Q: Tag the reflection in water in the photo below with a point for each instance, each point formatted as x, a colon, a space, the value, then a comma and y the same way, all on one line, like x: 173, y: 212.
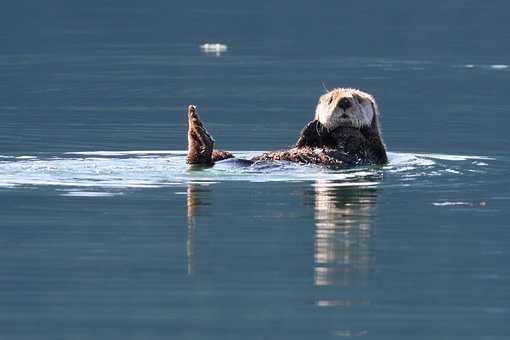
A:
x: 196, y: 196
x: 343, y: 235
x: 344, y: 216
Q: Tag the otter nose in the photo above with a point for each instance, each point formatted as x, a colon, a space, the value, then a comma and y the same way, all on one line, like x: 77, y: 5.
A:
x: 344, y: 103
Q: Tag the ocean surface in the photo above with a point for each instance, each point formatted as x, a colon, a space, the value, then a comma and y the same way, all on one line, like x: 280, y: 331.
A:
x: 106, y: 234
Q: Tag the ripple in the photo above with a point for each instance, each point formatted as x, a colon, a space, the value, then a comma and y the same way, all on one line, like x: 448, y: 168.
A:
x: 167, y: 168
x: 498, y: 67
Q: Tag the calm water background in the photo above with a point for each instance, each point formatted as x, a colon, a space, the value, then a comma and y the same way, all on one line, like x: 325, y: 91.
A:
x: 134, y: 246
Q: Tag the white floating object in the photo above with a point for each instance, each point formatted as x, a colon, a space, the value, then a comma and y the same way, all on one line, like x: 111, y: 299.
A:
x: 499, y: 67
x: 214, y: 48
x: 446, y: 204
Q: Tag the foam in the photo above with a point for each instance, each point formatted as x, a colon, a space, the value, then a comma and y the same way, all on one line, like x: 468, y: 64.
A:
x: 91, y: 194
x: 452, y: 157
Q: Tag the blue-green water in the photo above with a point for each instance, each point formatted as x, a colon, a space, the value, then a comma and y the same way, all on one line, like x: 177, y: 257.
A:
x: 106, y: 234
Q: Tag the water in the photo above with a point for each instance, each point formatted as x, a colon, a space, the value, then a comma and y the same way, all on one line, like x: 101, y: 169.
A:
x: 106, y: 234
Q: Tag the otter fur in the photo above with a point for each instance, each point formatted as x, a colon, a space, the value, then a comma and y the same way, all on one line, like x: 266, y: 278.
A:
x: 344, y: 133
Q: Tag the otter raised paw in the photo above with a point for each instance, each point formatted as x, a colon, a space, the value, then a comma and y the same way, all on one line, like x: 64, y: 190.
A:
x: 201, y: 143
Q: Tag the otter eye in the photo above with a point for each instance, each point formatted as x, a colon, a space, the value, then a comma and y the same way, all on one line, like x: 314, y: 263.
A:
x: 330, y: 100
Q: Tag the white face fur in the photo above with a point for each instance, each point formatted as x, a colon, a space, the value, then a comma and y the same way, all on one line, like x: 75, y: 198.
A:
x: 346, y: 107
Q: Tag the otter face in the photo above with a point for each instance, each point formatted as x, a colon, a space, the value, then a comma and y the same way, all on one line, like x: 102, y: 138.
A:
x: 346, y: 107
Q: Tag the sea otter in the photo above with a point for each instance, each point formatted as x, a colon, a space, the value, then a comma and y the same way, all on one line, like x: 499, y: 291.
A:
x: 344, y: 133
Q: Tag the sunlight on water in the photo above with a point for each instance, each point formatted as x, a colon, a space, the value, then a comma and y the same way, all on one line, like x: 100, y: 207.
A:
x: 152, y: 169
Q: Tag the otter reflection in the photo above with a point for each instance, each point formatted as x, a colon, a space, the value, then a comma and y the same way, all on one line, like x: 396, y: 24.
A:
x: 197, y: 195
x: 343, y: 242
x: 343, y: 234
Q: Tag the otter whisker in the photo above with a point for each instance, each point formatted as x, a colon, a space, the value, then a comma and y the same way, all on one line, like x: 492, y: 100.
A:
x: 324, y: 87
x: 317, y: 129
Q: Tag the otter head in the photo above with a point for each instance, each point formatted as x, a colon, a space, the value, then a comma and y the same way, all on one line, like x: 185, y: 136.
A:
x: 346, y: 107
